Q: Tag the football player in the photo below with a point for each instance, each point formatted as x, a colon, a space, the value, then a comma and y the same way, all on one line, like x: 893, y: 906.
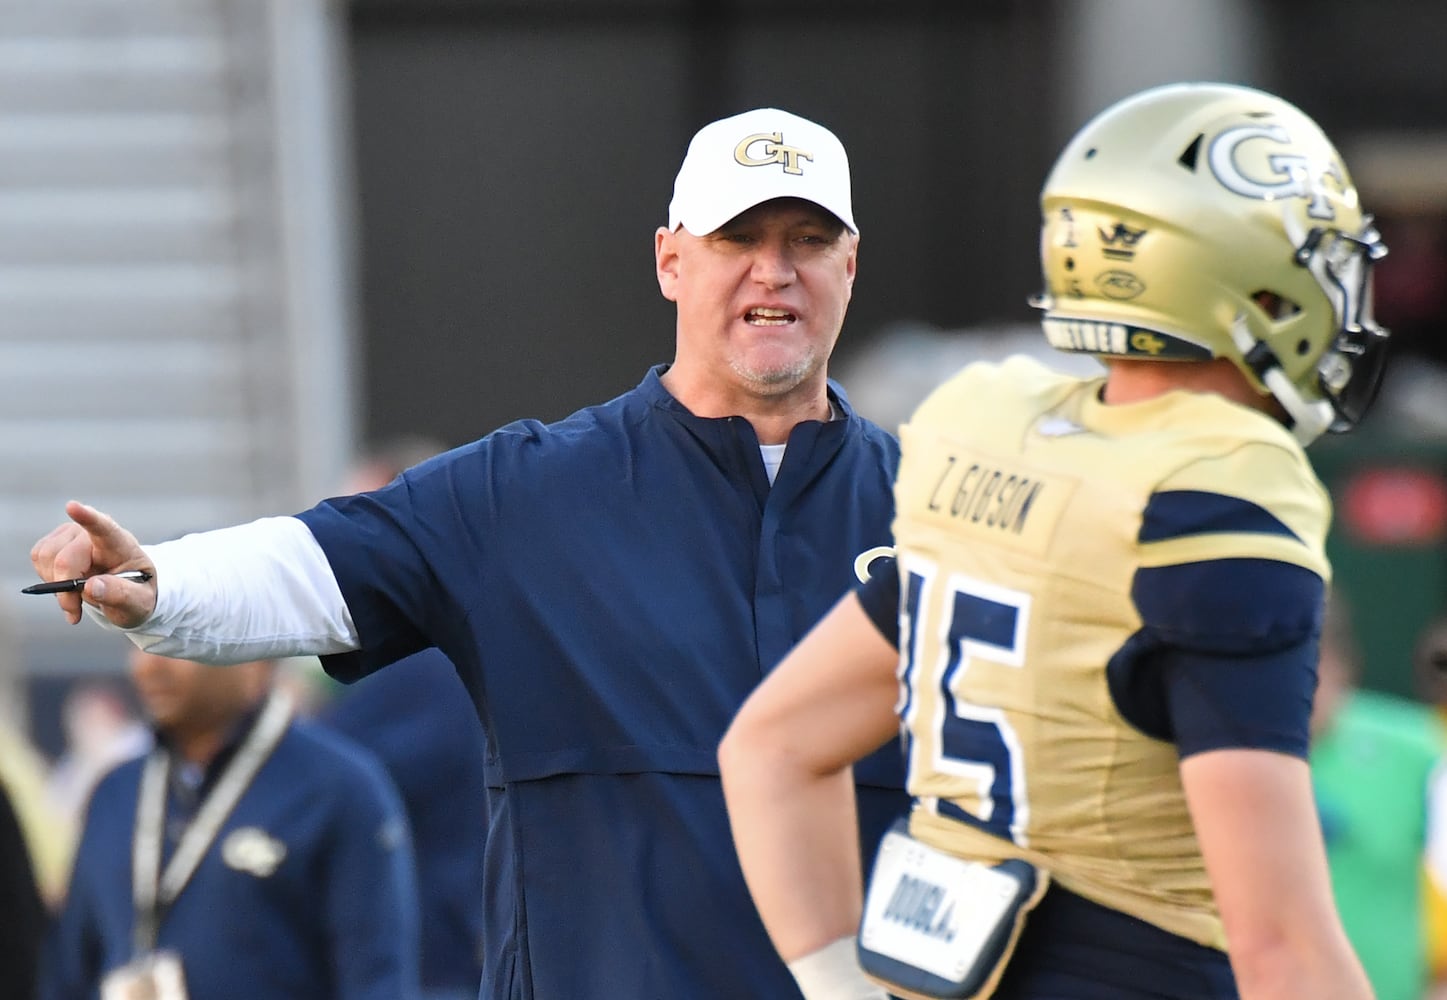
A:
x: 1101, y: 634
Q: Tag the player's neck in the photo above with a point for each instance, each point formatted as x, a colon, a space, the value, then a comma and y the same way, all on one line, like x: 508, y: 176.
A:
x: 1131, y: 381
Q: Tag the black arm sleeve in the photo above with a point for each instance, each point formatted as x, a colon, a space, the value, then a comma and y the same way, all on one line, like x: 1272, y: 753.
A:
x: 1252, y: 702
x: 1226, y: 656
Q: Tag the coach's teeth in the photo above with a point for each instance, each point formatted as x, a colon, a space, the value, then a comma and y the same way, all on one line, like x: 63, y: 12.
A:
x: 769, y: 317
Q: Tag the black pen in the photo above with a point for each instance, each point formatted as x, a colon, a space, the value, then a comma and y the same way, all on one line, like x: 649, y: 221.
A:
x: 70, y: 586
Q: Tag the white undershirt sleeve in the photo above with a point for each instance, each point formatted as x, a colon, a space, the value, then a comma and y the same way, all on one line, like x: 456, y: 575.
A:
x: 255, y: 591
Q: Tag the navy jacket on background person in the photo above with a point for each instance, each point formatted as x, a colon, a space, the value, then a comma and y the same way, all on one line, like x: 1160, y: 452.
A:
x: 335, y: 920
x: 417, y: 719
x: 611, y: 587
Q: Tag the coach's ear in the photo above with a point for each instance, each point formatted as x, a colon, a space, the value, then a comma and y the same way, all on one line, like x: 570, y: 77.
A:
x: 665, y: 262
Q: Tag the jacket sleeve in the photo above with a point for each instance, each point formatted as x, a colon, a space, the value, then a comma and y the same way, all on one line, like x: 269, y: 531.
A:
x: 371, y: 892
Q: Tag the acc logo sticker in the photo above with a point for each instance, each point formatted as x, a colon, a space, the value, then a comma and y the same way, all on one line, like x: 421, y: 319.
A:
x: 1119, y: 285
x: 251, y: 850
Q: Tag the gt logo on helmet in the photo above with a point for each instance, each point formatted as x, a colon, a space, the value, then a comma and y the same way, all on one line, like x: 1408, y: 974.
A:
x: 1292, y: 175
x: 1146, y: 342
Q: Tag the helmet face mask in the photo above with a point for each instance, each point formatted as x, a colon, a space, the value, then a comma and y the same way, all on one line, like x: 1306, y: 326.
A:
x: 1350, y: 371
x: 1199, y: 221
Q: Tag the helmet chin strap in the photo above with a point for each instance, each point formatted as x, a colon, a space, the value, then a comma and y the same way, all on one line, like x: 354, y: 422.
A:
x: 1309, y: 420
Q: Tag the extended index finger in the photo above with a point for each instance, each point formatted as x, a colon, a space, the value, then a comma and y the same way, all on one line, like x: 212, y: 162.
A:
x: 96, y: 523
x: 112, y: 547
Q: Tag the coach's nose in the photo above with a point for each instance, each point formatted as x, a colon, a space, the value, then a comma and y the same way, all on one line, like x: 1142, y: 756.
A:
x: 774, y: 264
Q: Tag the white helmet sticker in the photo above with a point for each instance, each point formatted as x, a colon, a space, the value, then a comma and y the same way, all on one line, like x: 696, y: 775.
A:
x: 1292, y: 174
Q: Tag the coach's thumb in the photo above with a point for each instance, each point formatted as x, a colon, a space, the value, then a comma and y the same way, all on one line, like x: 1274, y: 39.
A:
x: 123, y: 603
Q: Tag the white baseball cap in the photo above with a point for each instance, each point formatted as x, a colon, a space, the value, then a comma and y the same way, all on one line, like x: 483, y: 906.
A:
x: 736, y: 163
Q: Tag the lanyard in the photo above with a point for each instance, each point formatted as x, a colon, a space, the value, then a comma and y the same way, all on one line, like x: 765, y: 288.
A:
x: 154, y: 890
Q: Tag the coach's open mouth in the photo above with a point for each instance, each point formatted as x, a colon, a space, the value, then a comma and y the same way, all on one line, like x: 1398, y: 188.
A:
x: 769, y: 317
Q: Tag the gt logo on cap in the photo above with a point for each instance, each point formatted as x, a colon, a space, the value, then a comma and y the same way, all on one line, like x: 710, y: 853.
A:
x: 774, y: 152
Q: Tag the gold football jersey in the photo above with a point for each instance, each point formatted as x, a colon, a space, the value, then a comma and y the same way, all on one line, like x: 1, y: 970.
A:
x: 1020, y: 500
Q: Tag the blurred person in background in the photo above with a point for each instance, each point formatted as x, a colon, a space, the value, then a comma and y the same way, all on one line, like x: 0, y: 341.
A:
x: 247, y: 855
x: 25, y: 773
x: 101, y: 730
x: 22, y: 913
x: 610, y: 586
x: 1429, y: 669
x: 1429, y: 665
x: 49, y: 833
x: 417, y: 719
x: 1376, y: 767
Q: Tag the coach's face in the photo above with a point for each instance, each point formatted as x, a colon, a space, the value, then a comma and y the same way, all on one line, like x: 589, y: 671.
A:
x: 762, y: 298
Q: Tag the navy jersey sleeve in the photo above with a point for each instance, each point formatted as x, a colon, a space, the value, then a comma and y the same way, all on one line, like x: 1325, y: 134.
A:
x: 1226, y: 656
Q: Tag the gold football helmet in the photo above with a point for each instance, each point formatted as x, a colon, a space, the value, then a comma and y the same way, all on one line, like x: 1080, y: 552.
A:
x: 1197, y: 221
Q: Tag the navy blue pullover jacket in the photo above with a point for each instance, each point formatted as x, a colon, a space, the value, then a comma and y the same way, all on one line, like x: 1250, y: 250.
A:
x: 611, y: 587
